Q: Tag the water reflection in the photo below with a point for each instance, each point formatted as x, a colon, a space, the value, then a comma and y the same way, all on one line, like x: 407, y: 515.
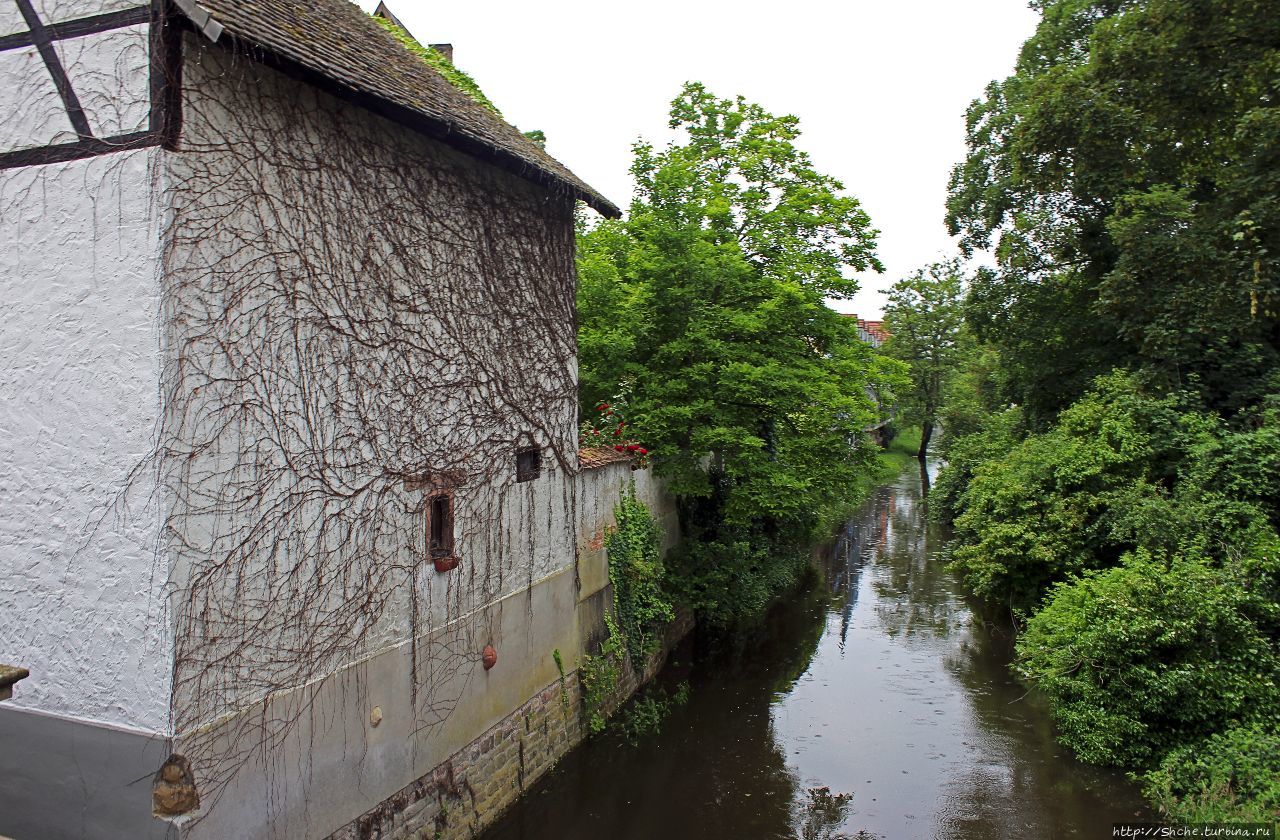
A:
x: 873, y: 705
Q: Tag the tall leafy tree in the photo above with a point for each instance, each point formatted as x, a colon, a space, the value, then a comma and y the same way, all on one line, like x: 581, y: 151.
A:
x: 925, y: 319
x: 1128, y: 177
x: 707, y: 307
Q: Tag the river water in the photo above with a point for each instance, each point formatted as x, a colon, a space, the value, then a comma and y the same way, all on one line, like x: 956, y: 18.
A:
x: 876, y: 704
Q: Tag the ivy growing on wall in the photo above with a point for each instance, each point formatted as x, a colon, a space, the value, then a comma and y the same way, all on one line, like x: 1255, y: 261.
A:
x: 636, y: 572
x: 640, y: 606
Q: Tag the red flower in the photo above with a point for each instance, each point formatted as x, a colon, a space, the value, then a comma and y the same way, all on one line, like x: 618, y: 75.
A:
x: 633, y: 447
x: 619, y: 447
x: 642, y: 450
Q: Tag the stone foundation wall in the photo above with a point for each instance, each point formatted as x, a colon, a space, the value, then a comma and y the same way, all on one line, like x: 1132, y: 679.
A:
x: 475, y: 785
x: 469, y: 791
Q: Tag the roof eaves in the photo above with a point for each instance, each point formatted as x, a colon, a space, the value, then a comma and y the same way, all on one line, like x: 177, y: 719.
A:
x: 436, y: 126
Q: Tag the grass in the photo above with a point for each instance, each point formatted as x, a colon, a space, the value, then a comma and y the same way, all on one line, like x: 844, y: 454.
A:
x: 890, y: 462
x: 901, y: 452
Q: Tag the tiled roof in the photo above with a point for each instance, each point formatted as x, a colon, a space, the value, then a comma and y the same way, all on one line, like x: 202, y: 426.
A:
x: 876, y: 328
x: 873, y: 331
x: 335, y: 39
x: 594, y: 458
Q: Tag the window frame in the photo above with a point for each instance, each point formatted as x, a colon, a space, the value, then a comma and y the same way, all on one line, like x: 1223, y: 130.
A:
x: 438, y: 507
x: 522, y: 474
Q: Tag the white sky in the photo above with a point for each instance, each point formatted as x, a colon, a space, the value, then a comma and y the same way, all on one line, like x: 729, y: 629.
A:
x: 880, y: 87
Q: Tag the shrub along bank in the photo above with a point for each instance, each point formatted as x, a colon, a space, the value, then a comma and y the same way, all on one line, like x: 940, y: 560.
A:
x: 1137, y: 539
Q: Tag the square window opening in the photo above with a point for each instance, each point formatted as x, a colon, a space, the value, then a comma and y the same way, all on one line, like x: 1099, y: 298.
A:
x: 528, y: 464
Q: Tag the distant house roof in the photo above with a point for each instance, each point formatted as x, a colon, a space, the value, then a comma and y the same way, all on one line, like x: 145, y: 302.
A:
x: 876, y: 328
x: 873, y: 331
x: 335, y: 45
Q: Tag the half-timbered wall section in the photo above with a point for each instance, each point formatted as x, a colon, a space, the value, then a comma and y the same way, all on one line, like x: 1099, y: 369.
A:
x: 81, y: 592
x: 81, y: 575
x: 86, y: 83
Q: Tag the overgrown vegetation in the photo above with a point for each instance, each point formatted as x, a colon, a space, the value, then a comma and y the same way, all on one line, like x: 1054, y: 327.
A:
x: 640, y: 608
x: 644, y: 716
x: 600, y: 675
x: 633, y: 546
x: 1116, y: 481
x: 706, y: 307
x: 444, y: 67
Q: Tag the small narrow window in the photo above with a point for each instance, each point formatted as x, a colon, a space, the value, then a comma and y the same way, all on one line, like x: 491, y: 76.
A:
x: 528, y: 464
x: 440, y: 531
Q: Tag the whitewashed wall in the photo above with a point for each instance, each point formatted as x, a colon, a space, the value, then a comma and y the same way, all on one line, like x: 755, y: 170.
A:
x: 81, y: 592
x: 361, y: 287
x: 82, y: 588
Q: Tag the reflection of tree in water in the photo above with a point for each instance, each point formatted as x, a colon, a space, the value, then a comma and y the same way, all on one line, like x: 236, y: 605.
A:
x: 821, y: 813
x: 842, y: 571
x: 1027, y: 784
x: 917, y: 594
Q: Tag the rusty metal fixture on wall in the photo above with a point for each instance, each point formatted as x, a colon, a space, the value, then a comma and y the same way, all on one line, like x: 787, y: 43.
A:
x: 9, y: 675
x: 445, y: 564
x: 489, y: 657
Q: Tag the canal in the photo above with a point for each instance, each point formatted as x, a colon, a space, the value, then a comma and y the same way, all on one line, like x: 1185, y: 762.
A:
x: 875, y: 704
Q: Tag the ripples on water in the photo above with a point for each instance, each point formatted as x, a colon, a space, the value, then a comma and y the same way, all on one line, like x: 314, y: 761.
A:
x: 874, y: 704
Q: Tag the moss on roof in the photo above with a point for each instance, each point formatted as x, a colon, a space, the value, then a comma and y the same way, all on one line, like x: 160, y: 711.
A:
x: 439, y: 63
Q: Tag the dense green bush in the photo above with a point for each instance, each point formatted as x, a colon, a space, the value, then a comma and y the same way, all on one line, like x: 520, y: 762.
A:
x: 1156, y: 654
x: 1047, y: 507
x: 998, y: 433
x: 730, y: 582
x: 1138, y: 533
x: 1232, y: 775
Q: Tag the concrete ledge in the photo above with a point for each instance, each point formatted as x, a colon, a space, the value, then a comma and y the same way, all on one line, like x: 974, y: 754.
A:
x: 78, y: 780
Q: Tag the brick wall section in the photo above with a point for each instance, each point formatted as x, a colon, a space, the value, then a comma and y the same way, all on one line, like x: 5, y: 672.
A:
x: 469, y: 791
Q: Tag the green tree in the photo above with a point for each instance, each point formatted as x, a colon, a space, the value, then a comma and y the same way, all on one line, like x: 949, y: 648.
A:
x: 706, y: 306
x: 1128, y: 177
x: 925, y: 319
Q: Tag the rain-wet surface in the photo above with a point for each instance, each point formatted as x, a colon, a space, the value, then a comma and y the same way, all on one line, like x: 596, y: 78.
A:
x: 874, y: 704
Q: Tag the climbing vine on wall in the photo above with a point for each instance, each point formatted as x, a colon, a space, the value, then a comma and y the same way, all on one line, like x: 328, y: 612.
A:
x: 636, y: 572
x: 355, y: 318
x: 640, y: 607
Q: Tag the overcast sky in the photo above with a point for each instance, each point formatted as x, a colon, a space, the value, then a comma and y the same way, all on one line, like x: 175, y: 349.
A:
x: 880, y: 87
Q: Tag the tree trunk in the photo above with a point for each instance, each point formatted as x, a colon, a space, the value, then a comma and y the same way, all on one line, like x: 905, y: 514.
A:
x: 926, y: 432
